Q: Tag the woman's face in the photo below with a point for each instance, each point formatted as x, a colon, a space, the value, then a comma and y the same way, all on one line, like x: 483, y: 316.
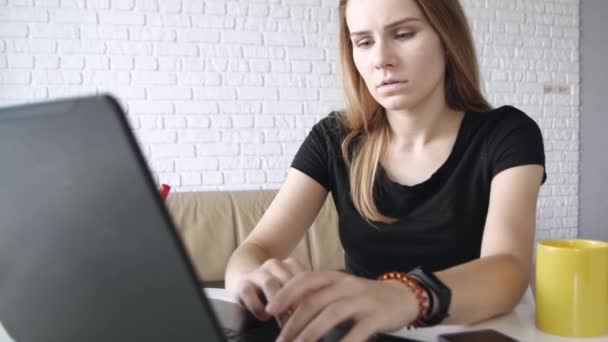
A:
x: 397, y: 52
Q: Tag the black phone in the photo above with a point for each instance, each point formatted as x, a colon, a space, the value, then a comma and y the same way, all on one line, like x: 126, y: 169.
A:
x: 486, y: 335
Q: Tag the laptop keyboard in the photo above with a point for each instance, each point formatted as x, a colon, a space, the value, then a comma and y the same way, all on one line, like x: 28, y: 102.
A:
x: 254, y: 335
x: 264, y: 335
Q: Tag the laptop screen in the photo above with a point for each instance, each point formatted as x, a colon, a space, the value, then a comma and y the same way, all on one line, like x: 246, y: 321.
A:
x: 87, y: 250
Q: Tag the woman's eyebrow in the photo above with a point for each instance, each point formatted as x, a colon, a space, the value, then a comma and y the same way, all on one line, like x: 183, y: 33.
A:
x: 393, y: 24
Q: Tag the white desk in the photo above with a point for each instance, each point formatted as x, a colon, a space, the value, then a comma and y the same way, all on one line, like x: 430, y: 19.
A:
x: 519, y: 324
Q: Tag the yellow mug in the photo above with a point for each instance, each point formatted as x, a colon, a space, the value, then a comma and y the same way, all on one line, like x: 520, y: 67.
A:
x: 572, y: 287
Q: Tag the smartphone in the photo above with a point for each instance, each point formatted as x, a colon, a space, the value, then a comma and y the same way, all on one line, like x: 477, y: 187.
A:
x: 486, y: 335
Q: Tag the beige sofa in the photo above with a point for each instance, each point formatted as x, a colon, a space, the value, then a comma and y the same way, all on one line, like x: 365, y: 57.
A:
x: 213, y: 224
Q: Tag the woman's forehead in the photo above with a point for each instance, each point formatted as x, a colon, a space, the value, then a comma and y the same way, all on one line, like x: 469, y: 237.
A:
x: 368, y: 14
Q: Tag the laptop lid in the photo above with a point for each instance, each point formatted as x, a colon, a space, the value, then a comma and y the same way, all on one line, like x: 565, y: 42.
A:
x: 87, y: 249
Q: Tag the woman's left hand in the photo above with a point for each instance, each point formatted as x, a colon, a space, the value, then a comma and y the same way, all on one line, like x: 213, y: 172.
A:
x: 322, y: 300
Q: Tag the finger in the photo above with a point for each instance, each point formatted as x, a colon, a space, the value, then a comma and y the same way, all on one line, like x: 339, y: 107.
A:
x: 311, y: 307
x: 250, y: 297
x: 282, y: 318
x: 269, y: 284
x: 330, y: 316
x: 280, y: 270
x: 294, y: 266
x: 361, y: 331
x: 296, y: 289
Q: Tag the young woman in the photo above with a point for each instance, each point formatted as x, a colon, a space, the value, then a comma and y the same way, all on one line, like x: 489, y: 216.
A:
x: 423, y: 173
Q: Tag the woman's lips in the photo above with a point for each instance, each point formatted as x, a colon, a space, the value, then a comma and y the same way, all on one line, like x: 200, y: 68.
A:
x: 392, y: 86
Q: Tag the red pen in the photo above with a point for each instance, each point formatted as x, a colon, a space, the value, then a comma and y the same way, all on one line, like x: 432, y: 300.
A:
x: 164, y: 191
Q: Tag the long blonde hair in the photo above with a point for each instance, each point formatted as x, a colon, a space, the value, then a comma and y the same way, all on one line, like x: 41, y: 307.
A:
x: 365, y: 119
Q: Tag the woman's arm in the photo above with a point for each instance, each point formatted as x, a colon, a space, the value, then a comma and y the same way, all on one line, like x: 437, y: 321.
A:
x: 495, y: 283
x: 280, y: 229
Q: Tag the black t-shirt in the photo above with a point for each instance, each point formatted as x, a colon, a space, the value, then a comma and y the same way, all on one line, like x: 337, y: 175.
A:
x: 441, y: 220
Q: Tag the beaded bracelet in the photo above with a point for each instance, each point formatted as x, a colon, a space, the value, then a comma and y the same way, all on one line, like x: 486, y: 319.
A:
x: 429, y: 296
x: 418, y: 291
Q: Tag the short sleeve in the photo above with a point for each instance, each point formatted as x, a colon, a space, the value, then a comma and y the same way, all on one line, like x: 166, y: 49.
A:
x: 517, y: 140
x: 312, y: 157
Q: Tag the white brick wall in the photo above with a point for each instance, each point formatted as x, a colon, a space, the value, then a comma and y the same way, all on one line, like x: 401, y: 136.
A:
x: 222, y: 92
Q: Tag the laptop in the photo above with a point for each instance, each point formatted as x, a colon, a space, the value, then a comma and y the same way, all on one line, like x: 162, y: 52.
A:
x: 88, y: 251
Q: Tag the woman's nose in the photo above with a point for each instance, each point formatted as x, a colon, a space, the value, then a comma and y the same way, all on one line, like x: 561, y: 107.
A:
x: 383, y: 56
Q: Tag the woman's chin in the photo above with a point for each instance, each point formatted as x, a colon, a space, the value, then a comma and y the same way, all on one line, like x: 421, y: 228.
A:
x: 395, y: 103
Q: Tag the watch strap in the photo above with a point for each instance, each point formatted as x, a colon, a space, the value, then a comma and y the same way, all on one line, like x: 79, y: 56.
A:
x: 439, y: 289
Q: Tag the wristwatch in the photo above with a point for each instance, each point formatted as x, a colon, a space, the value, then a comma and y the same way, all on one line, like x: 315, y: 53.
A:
x: 444, y: 294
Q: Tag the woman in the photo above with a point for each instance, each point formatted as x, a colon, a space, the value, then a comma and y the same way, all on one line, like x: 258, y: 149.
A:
x: 423, y: 173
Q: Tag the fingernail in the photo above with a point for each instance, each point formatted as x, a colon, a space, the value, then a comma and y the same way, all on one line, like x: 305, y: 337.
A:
x: 280, y: 339
x: 271, y: 307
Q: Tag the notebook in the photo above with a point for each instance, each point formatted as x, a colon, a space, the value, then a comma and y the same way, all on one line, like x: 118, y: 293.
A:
x: 88, y: 251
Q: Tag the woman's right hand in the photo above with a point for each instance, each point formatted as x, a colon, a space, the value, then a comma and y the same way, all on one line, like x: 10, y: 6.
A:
x: 259, y: 286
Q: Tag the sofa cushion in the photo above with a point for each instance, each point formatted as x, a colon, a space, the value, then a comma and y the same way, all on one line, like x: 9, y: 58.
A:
x: 212, y: 224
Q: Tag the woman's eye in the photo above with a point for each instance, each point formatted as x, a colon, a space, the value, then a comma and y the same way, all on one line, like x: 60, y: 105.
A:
x: 364, y: 43
x: 405, y: 35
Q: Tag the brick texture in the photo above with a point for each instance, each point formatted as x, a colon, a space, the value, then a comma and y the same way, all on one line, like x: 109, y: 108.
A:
x: 222, y: 92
